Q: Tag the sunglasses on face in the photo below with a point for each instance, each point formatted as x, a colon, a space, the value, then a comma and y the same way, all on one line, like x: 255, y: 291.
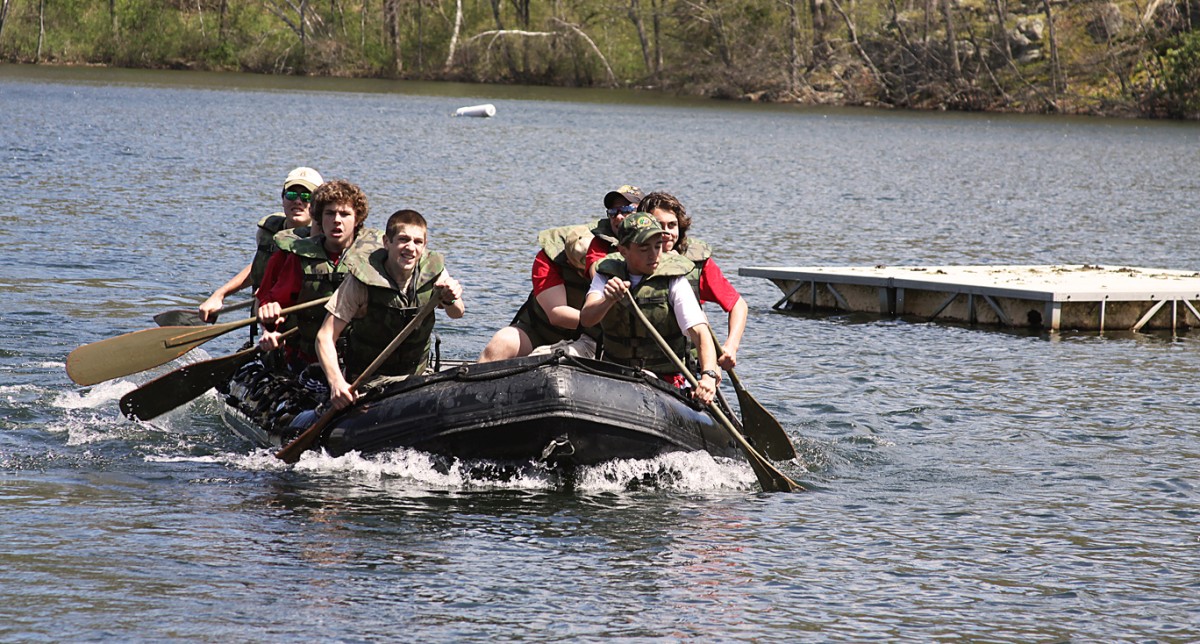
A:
x: 292, y: 195
x: 621, y: 210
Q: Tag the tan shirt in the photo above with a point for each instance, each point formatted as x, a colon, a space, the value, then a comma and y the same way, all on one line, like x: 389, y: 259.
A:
x: 349, y: 301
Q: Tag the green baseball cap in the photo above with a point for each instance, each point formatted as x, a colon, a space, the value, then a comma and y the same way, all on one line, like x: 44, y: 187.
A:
x: 639, y: 228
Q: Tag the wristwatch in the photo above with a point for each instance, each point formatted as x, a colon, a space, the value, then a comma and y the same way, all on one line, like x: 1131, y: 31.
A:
x: 709, y: 372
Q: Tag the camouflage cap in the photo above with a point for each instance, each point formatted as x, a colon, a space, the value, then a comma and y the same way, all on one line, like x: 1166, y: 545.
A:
x: 639, y: 228
x: 632, y: 194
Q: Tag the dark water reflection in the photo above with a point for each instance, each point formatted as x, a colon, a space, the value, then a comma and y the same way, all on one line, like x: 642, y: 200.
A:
x: 969, y: 484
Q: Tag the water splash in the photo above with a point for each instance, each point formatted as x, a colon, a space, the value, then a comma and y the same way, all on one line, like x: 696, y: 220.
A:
x: 98, y: 396
x: 681, y: 471
x: 414, y: 469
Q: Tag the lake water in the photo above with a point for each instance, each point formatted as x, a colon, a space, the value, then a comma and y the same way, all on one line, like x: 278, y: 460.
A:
x: 968, y: 484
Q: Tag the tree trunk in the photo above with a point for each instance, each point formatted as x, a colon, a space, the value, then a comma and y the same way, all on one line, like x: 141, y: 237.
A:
x: 635, y: 16
x: 793, y: 47
x: 1001, y: 33
x: 656, y: 10
x: 1057, y: 84
x: 522, y: 9
x: 391, y: 18
x: 3, y: 14
x: 458, y: 20
x: 496, y: 14
x: 951, y: 40
x: 303, y: 29
x: 37, y: 57
x: 820, y: 28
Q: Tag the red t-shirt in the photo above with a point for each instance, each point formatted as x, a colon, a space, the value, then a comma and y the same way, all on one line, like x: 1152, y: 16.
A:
x: 715, y: 288
x: 546, y: 274
x: 596, y: 252
x: 281, y: 280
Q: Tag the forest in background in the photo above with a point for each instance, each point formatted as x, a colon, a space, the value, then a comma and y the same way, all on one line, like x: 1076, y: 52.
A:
x: 1110, y: 57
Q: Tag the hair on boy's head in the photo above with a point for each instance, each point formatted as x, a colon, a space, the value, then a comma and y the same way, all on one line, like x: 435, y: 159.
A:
x: 665, y: 201
x: 339, y: 191
x: 404, y: 218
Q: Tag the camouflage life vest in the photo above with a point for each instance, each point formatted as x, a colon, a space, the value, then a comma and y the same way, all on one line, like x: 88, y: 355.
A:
x: 389, y: 310
x: 554, y: 244
x: 321, y: 276
x: 264, y: 238
x: 626, y: 341
x: 603, y: 229
x: 698, y: 252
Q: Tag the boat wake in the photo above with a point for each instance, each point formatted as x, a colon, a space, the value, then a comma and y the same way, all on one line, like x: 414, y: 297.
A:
x: 78, y: 424
x: 410, y: 469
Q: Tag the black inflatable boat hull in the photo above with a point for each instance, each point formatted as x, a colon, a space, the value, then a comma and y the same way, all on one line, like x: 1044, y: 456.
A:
x: 556, y: 409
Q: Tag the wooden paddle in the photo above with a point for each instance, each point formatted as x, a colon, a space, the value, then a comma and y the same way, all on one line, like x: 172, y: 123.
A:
x: 771, y: 479
x: 185, y: 384
x: 759, y: 424
x: 291, y: 452
x: 148, y: 348
x: 191, y: 317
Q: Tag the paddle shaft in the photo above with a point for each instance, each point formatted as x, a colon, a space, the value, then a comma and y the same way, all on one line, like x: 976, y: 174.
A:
x: 221, y: 329
x: 771, y: 479
x: 757, y: 422
x: 191, y: 317
x: 291, y: 452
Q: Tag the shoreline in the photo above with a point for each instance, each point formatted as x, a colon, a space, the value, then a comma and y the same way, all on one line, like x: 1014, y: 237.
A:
x: 444, y: 85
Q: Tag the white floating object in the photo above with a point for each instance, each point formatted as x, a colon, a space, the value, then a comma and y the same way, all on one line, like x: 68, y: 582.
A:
x: 485, y: 110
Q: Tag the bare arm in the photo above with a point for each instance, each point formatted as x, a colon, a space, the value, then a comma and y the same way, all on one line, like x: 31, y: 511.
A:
x: 214, y: 302
x: 554, y: 302
x: 451, y: 293
x: 737, y: 327
x: 597, y: 305
x: 340, y: 393
x: 703, y: 339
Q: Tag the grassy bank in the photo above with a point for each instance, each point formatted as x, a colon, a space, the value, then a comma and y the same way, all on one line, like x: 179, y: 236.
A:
x: 1113, y: 58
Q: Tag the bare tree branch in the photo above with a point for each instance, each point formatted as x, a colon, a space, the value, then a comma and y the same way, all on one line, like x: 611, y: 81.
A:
x: 612, y: 78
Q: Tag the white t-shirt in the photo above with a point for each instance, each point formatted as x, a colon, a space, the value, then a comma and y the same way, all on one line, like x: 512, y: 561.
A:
x: 683, y: 301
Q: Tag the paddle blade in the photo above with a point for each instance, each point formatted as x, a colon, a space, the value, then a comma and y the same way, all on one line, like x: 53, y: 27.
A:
x: 760, y: 426
x: 183, y: 385
x: 131, y: 353
x: 179, y: 317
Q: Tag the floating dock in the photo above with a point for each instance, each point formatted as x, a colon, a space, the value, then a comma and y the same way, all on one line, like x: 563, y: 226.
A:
x: 1055, y: 297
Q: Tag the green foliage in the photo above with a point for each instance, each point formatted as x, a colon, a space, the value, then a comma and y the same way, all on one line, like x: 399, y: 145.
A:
x: 726, y: 48
x: 1181, y: 75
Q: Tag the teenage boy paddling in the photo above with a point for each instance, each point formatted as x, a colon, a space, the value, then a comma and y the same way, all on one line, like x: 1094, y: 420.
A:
x: 382, y: 294
x: 306, y: 269
x: 657, y: 282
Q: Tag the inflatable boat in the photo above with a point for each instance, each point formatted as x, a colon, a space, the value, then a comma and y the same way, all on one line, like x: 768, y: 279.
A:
x: 556, y: 409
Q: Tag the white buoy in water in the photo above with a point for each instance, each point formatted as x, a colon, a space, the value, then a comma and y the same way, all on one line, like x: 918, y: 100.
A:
x: 485, y: 110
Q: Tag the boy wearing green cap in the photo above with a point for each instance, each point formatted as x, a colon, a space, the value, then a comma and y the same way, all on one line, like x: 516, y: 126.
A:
x: 658, y: 283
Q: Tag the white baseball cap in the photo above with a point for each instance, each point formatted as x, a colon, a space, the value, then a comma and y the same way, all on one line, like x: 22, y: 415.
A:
x: 306, y: 177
